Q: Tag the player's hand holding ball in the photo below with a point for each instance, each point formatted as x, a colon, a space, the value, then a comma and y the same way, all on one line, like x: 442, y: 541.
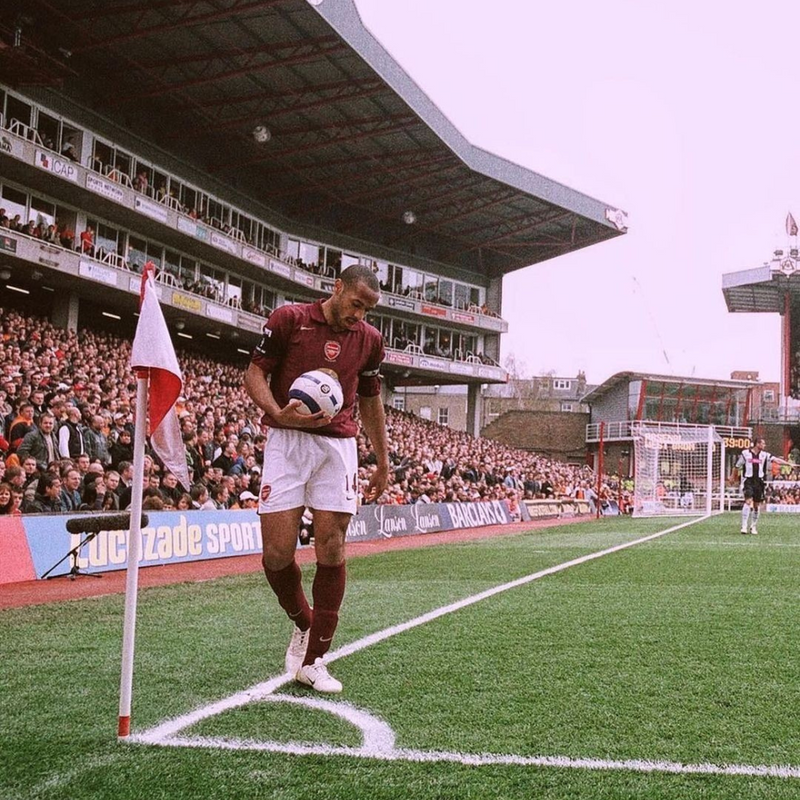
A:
x: 315, y: 398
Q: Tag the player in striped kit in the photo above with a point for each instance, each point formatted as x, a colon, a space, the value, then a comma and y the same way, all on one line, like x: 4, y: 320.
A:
x: 754, y: 466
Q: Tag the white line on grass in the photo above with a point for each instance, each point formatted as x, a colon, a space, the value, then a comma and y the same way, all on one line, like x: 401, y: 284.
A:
x: 377, y: 736
x: 491, y: 759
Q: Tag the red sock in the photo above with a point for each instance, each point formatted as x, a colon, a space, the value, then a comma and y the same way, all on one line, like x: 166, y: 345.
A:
x: 328, y: 592
x: 287, y: 583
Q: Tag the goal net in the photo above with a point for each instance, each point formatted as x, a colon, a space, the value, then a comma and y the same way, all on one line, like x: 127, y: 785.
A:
x: 678, y: 470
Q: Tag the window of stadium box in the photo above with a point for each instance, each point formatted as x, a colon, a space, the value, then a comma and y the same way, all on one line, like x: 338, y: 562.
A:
x: 233, y: 291
x: 123, y: 163
x: 215, y: 279
x: 216, y: 212
x: 172, y: 264
x: 700, y: 404
x: 15, y: 203
x: 102, y: 155
x: 17, y: 110
x: 106, y: 156
x: 138, y: 253
x: 106, y: 238
x: 49, y: 129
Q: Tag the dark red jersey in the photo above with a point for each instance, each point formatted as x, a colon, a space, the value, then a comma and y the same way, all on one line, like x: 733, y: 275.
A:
x: 297, y: 339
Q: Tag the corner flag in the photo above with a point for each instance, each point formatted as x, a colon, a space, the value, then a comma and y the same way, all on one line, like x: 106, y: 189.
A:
x: 159, y: 383
x: 153, y: 351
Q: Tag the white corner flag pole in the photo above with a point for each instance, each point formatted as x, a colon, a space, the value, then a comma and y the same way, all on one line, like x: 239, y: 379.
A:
x: 134, y: 553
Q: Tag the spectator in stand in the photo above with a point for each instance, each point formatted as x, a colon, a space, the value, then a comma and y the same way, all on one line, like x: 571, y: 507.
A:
x: 37, y: 401
x: 48, y: 496
x: 91, y: 369
x: 140, y: 182
x: 31, y: 470
x: 200, y: 498
x: 121, y: 450
x: 41, y: 442
x: 71, y: 442
x: 83, y: 462
x: 170, y: 489
x: 6, y: 500
x: 226, y: 459
x: 96, y: 441
x: 112, y: 479
x: 120, y: 425
x: 219, y: 496
x: 70, y: 484
x: 248, y: 500
x: 66, y: 237
x: 68, y: 151
x: 22, y: 425
x: 87, y: 241
x: 152, y: 502
x: 51, y: 235
x: 125, y: 470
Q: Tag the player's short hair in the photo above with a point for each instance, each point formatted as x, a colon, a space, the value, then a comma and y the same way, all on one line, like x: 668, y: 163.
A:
x: 358, y: 273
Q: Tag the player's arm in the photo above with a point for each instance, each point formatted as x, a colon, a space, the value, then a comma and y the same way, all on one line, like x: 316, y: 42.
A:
x: 268, y: 353
x: 783, y: 463
x: 737, y: 469
x: 257, y: 386
x: 373, y: 420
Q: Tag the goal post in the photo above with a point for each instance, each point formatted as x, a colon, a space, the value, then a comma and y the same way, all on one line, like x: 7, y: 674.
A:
x: 678, y: 470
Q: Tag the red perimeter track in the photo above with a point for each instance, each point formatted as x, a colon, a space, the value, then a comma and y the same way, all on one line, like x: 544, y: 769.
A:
x: 56, y: 590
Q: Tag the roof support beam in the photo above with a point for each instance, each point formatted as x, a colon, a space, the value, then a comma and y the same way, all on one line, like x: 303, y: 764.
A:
x: 301, y: 57
x: 289, y: 95
x: 273, y: 49
x: 271, y: 114
x: 363, y: 129
x: 186, y: 21
x: 387, y: 187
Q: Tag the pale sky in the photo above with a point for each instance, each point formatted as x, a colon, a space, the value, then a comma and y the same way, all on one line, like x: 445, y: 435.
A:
x: 682, y: 113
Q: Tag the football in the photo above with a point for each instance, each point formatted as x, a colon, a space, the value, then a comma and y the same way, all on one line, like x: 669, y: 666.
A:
x: 317, y: 391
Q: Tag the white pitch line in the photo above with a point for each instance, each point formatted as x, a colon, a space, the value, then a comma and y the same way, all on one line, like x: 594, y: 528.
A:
x: 378, y: 737
x: 158, y: 734
x: 491, y: 759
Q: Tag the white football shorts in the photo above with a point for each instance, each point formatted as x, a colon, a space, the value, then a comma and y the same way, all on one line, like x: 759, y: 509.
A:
x: 305, y: 469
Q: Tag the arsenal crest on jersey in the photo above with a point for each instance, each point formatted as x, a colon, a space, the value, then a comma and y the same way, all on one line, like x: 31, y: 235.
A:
x: 332, y: 350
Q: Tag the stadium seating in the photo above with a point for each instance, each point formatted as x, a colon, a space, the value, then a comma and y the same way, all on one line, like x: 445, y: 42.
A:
x: 90, y: 369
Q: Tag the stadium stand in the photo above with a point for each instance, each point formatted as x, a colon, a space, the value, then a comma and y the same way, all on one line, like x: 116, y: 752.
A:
x: 48, y: 369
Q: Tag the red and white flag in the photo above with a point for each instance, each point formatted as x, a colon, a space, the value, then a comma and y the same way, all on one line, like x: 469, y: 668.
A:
x: 153, y: 351
x: 791, y: 225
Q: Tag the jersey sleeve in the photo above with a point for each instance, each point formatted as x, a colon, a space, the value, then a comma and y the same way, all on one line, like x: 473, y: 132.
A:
x: 740, y: 462
x: 274, y: 340
x: 369, y: 377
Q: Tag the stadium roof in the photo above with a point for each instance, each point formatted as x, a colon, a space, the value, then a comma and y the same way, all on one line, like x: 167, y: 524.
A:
x: 765, y: 288
x: 626, y: 377
x: 354, y: 142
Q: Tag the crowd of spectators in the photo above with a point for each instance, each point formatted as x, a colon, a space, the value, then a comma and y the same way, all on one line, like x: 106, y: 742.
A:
x: 433, y: 463
x: 784, y: 493
x: 66, y: 425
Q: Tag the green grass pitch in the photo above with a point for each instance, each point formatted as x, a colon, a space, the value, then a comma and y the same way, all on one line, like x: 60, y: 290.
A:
x: 683, y: 649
